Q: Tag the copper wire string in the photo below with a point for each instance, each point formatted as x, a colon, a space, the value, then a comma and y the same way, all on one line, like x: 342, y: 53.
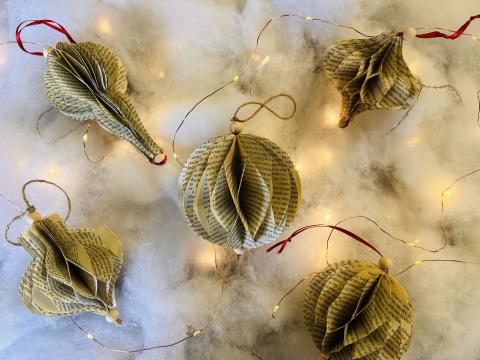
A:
x: 437, y: 87
x: 418, y: 262
x: 276, y: 308
x: 245, y: 70
x: 176, y: 342
x: 84, y: 141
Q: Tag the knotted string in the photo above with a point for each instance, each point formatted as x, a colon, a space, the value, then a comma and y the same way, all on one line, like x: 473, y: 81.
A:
x: 264, y: 105
x: 50, y: 23
x: 261, y: 105
x: 31, y: 208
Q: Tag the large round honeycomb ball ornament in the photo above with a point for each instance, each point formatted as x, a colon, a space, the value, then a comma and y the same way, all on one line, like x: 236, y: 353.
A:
x: 239, y: 190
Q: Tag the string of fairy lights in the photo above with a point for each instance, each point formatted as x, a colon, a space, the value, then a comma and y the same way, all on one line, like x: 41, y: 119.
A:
x: 254, y: 63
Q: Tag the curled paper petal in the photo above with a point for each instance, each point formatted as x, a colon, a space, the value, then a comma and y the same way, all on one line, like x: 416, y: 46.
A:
x: 240, y: 191
x: 371, y: 74
x: 355, y: 310
x: 87, y: 81
x: 72, y: 270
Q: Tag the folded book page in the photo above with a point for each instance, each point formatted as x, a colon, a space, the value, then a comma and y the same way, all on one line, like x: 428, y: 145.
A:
x: 354, y: 310
x: 371, y: 74
x: 87, y: 81
x: 239, y: 191
x: 72, y: 270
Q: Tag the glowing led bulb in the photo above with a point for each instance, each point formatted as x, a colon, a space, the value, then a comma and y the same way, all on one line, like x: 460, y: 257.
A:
x: 327, y: 216
x: 446, y: 193
x: 196, y: 333
x: 236, y: 77
x: 90, y: 336
x: 275, y: 308
x: 254, y: 57
x: 418, y: 262
x: 161, y: 75
x: 414, y: 140
x: 298, y: 167
x: 104, y: 25
x: 175, y: 155
x: 308, y: 18
x: 264, y: 62
x: 85, y: 137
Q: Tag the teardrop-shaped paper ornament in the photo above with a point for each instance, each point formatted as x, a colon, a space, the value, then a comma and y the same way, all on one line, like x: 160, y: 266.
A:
x: 239, y: 190
x: 355, y: 310
x: 87, y: 81
x: 371, y: 74
x: 72, y: 270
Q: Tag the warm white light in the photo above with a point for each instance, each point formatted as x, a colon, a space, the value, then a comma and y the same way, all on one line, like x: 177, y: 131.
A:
x: 414, y: 140
x: 309, y: 18
x: 254, y: 57
x: 418, y: 262
x: 104, y: 26
x: 264, y: 62
x: 85, y: 137
x: 331, y: 119
x: 161, y: 75
x: 298, y: 167
x: 236, y: 77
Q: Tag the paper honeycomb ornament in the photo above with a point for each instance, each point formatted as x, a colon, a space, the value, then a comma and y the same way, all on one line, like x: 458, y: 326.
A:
x: 87, y: 81
x: 239, y: 190
x: 72, y: 271
x: 355, y: 310
x: 371, y: 74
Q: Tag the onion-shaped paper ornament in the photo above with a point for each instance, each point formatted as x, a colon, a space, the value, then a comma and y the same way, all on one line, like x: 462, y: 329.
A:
x: 87, y: 81
x: 239, y: 190
x: 355, y: 310
x: 72, y: 270
x: 371, y: 74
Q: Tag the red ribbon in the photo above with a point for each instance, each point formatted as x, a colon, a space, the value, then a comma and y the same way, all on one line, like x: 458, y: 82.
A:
x: 161, y: 162
x: 452, y: 36
x: 285, y: 242
x: 50, y: 23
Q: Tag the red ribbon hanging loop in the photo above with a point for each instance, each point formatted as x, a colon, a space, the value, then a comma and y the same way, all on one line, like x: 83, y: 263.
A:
x: 50, y: 23
x: 284, y: 243
x: 452, y: 36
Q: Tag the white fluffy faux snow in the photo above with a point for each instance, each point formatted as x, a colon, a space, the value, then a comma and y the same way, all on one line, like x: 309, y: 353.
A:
x: 176, y: 52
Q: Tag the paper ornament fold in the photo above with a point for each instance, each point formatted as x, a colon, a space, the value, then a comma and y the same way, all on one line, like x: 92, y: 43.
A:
x: 72, y: 270
x: 371, y: 74
x: 240, y: 191
x: 87, y: 81
x: 355, y: 310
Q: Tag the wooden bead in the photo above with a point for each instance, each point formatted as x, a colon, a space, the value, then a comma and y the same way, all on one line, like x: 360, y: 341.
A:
x: 47, y: 50
x: 33, y: 217
x: 236, y: 127
x: 239, y: 251
x: 409, y: 33
x: 112, y: 315
x: 385, y: 263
